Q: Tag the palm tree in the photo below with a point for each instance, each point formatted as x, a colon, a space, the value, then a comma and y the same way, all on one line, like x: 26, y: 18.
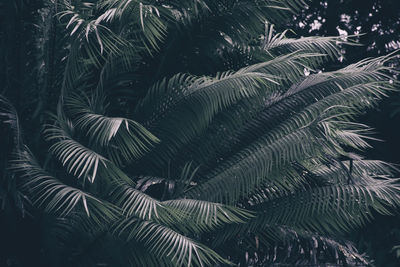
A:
x: 193, y: 133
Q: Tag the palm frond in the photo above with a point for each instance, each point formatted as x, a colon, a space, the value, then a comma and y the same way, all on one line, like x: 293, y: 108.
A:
x: 356, y: 90
x: 328, y: 209
x: 298, y: 129
x: 135, y: 202
x: 166, y: 243
x: 221, y: 133
x: 56, y: 197
x: 182, y: 214
x: 91, y: 42
x: 78, y: 159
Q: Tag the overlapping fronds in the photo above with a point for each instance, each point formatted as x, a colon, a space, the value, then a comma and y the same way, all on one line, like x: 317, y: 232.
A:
x: 253, y: 165
x: 353, y: 88
x: 130, y: 139
x: 327, y: 209
x: 183, y: 89
x: 104, y: 30
x: 335, y: 205
x: 249, y: 111
x: 185, y: 214
x: 205, y: 95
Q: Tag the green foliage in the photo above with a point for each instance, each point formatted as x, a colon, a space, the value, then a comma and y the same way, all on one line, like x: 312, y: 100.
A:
x: 149, y: 159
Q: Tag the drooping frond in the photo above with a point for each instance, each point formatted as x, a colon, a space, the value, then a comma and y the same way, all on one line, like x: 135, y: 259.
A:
x: 185, y: 214
x: 78, y: 159
x: 349, y: 88
x: 297, y: 134
x: 328, y: 209
x: 81, y: 161
x: 227, y: 125
x: 56, y: 197
x: 166, y: 243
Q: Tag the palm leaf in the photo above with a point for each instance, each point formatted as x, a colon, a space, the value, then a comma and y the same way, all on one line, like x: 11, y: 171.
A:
x: 56, y: 197
x: 78, y: 159
x: 166, y: 243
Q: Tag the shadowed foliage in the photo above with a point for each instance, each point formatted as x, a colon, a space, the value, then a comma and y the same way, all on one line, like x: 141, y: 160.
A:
x: 191, y: 133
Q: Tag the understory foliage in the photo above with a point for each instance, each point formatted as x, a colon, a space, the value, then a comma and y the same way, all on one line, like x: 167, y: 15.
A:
x: 192, y: 133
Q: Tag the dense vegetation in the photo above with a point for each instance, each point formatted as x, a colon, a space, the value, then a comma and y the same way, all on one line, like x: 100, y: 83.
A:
x: 177, y: 133
x: 376, y: 23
